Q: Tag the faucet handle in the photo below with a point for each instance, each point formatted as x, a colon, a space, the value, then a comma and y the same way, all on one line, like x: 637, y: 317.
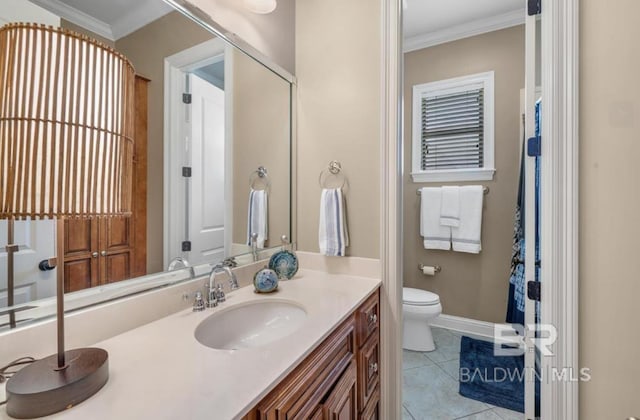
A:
x: 198, y: 303
x: 220, y: 296
x: 212, y: 302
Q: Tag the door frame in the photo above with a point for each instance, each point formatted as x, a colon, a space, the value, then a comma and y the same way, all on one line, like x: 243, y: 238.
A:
x: 173, y: 185
x: 559, y: 212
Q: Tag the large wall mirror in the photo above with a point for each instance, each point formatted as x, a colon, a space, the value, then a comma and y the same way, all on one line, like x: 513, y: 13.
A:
x: 213, y: 143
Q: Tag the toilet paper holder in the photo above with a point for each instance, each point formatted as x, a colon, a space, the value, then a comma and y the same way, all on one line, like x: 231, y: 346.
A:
x: 436, y: 268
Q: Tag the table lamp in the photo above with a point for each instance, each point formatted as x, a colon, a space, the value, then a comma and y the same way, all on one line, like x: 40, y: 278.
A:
x: 66, y: 151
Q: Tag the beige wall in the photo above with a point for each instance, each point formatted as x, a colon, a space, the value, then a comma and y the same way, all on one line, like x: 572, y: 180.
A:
x: 147, y: 49
x: 271, y: 34
x: 609, y: 208
x: 338, y: 71
x: 261, y: 132
x: 470, y: 285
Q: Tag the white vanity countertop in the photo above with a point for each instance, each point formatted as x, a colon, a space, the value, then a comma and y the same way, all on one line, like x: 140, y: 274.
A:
x: 159, y: 371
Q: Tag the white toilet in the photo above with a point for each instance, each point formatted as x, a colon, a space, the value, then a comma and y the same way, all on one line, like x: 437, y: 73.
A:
x: 419, y: 308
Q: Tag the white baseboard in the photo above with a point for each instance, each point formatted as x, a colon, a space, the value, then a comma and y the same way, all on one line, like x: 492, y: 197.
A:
x: 465, y: 325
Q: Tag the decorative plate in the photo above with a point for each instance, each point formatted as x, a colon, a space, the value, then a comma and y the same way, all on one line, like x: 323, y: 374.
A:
x: 265, y: 281
x: 284, y: 263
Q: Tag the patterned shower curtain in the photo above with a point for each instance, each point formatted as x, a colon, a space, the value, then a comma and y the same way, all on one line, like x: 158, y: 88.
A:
x: 517, y: 286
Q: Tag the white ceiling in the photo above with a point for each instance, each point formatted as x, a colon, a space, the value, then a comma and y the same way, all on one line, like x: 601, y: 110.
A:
x: 426, y: 22
x: 111, y: 19
x: 426, y: 19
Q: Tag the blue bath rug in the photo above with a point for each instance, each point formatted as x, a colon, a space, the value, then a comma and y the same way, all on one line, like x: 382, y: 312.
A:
x: 495, y: 380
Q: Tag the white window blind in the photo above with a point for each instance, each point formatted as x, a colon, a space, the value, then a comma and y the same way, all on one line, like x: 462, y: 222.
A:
x: 453, y: 130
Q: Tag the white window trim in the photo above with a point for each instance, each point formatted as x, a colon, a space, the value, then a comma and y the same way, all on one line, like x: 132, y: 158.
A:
x: 446, y: 87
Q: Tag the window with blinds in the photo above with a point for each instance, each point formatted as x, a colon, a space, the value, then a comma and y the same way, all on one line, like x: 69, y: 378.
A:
x: 453, y: 129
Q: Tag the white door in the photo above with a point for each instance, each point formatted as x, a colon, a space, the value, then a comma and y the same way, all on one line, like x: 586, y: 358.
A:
x: 36, y: 240
x: 207, y: 195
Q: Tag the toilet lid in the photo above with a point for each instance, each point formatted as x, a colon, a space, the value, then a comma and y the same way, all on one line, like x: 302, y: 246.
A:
x: 419, y: 297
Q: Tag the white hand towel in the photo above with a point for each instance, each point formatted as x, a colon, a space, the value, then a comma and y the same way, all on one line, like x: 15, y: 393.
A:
x: 258, y: 217
x: 435, y: 235
x: 450, y: 209
x: 333, y: 234
x: 466, y: 237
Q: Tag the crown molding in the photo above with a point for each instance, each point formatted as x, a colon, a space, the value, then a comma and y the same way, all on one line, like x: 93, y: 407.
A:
x: 77, y: 17
x: 473, y: 28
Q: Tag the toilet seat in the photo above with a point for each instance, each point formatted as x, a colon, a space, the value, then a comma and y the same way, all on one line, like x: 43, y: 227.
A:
x: 418, y: 297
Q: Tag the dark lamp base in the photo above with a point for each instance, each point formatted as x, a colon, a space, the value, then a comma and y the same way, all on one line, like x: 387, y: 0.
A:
x: 41, y: 389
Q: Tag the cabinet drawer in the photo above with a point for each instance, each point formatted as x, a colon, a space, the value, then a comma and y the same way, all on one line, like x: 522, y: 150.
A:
x: 368, y: 317
x: 368, y: 371
x: 372, y: 410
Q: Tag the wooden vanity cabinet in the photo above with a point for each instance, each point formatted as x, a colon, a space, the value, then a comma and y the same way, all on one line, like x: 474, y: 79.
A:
x: 338, y: 381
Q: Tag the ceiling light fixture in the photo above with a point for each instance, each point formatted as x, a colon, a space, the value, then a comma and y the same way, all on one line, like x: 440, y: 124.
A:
x: 262, y: 7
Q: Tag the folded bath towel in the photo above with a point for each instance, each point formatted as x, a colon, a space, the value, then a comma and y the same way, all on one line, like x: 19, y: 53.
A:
x: 450, y: 208
x: 257, y: 220
x: 332, y: 232
x: 435, y: 235
x: 466, y: 237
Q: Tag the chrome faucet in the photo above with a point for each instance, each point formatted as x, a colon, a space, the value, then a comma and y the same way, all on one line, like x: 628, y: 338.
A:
x: 215, y: 293
x: 178, y: 263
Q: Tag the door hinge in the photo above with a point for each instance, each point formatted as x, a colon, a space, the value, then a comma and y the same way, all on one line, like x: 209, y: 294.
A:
x: 186, y: 246
x: 534, y: 7
x: 186, y: 98
x: 533, y: 290
x: 186, y: 171
x: 534, y: 147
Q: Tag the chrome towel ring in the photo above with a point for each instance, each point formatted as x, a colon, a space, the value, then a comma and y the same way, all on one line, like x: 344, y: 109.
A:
x: 260, y: 176
x: 332, y: 171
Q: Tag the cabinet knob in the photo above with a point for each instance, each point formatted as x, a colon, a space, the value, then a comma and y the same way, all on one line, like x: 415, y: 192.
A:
x: 103, y: 253
x: 373, y: 318
x: 373, y: 368
x: 95, y: 254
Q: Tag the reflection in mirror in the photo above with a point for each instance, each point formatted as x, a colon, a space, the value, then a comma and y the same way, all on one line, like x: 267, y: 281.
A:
x: 207, y: 118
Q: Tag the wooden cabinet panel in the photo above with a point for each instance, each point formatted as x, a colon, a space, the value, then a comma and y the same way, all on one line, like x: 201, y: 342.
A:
x: 81, y: 269
x: 368, y: 367
x: 117, y: 267
x: 341, y: 402
x: 317, y: 415
x: 117, y: 234
x: 80, y: 274
x: 298, y: 396
x: 80, y: 237
x: 372, y: 410
x: 367, y: 317
x: 139, y: 181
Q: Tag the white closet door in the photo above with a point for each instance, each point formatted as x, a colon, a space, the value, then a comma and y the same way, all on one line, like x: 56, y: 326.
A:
x: 36, y: 240
x: 206, y: 212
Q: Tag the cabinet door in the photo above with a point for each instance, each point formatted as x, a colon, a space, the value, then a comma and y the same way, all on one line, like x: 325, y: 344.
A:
x: 368, y: 367
x: 80, y: 254
x: 372, y: 410
x: 341, y: 402
x: 116, y: 249
x: 368, y: 318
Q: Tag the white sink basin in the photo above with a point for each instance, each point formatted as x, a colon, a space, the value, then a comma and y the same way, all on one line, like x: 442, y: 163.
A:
x: 254, y: 324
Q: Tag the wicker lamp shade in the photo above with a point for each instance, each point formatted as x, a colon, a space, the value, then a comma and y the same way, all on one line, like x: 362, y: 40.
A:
x: 66, y: 125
